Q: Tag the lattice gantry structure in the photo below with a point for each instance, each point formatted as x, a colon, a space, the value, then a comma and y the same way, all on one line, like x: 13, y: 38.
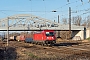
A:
x: 30, y: 22
x: 26, y: 22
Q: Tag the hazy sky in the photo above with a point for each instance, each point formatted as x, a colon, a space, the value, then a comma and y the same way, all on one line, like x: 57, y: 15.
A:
x: 44, y: 8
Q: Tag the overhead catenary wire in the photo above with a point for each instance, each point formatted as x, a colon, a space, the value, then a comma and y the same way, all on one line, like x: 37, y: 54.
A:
x: 38, y: 11
x: 66, y: 4
x: 82, y: 4
x: 84, y: 13
x: 77, y: 11
x: 51, y: 11
x: 30, y: 11
x: 80, y: 0
x: 4, y: 13
x: 71, y: 3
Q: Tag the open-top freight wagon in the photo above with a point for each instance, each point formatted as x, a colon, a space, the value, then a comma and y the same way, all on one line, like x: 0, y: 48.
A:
x: 18, y: 38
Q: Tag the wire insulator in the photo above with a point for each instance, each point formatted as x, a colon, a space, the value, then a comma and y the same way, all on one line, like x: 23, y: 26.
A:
x: 67, y: 0
x: 89, y: 0
x: 54, y: 11
x: 81, y: 0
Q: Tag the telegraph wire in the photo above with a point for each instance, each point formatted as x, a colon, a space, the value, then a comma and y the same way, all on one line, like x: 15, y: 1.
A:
x: 41, y: 11
x: 81, y: 0
x: 67, y: 4
x: 77, y: 11
x: 83, y: 9
x: 80, y: 10
x: 82, y: 4
x: 4, y: 13
x: 48, y: 11
x: 23, y: 11
x: 82, y: 14
x: 85, y: 13
x: 45, y: 7
x: 31, y: 6
x: 72, y: 3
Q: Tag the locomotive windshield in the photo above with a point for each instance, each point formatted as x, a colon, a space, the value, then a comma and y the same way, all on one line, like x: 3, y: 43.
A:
x: 49, y: 33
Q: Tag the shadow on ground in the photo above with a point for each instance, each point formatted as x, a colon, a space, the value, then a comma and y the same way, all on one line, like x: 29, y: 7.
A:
x: 78, y: 56
x: 66, y: 44
x: 8, y: 53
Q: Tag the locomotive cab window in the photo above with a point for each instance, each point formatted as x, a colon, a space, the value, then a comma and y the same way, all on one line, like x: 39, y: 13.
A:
x: 49, y: 33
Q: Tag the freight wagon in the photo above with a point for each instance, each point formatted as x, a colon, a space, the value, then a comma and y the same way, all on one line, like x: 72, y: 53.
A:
x: 17, y: 38
x: 20, y: 38
x: 13, y: 38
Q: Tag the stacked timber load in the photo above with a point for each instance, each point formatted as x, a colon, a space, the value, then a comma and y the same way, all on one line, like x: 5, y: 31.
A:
x: 22, y: 37
x: 13, y: 37
x: 18, y: 38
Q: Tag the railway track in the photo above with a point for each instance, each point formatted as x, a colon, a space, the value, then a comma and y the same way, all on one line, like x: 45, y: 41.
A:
x: 66, y: 52
x: 52, y: 47
x: 75, y: 47
x: 61, y: 48
x: 62, y: 51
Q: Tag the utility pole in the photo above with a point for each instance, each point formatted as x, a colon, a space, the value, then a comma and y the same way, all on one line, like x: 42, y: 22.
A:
x: 7, y: 30
x: 54, y: 20
x: 67, y: 0
x: 58, y: 31
x: 70, y: 22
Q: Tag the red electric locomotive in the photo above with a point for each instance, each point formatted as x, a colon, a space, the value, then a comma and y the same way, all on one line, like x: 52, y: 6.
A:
x: 45, y: 36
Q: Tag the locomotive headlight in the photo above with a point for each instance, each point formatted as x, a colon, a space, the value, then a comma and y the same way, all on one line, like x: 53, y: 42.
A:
x: 52, y: 37
x: 47, y: 37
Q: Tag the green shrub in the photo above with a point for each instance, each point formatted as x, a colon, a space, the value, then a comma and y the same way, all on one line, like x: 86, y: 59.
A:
x: 32, y: 55
x: 88, y: 38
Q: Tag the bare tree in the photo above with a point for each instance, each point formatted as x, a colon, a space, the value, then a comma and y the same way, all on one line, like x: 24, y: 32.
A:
x: 74, y: 20
x: 77, y: 20
x: 88, y: 21
x: 64, y: 20
x: 84, y: 23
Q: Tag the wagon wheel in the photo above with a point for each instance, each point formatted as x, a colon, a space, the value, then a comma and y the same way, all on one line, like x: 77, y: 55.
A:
x: 51, y: 45
x: 43, y: 43
x: 36, y: 43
